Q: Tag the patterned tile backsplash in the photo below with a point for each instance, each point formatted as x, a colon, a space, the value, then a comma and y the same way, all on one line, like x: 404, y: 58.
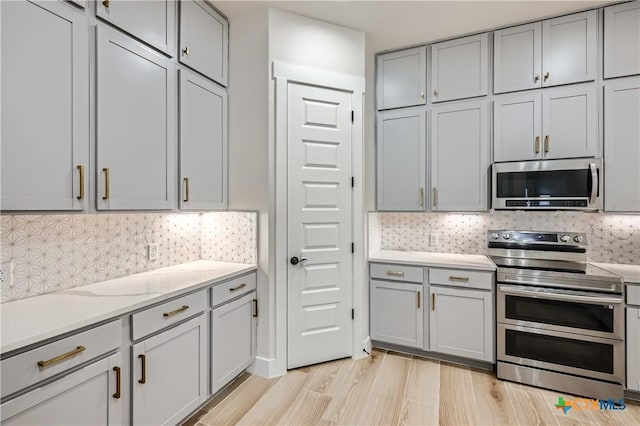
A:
x: 54, y: 252
x: 611, y: 238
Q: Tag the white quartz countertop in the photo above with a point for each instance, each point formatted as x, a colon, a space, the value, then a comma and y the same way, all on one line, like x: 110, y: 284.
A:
x: 630, y: 273
x: 442, y: 260
x: 28, y: 321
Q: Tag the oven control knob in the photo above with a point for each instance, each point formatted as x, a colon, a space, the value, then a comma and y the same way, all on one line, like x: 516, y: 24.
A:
x: 495, y: 236
x: 506, y: 236
x: 578, y: 238
x: 565, y: 238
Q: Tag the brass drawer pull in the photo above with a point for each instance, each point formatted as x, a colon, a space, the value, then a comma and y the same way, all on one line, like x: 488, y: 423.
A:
x: 231, y: 290
x: 547, y: 143
x: 421, y: 197
x: 106, y: 183
x: 459, y: 279
x: 537, y: 144
x: 433, y: 301
x: 175, y: 311
x: 62, y: 357
x: 118, y: 382
x: 143, y: 379
x: 81, y: 183
x: 418, y: 298
x: 395, y: 273
x: 435, y: 196
x: 536, y: 78
x: 255, y: 308
x: 106, y: 3
x: 546, y: 76
x: 186, y: 51
x: 186, y: 190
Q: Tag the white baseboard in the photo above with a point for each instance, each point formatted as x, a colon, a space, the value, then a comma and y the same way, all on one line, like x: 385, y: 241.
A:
x: 266, y: 367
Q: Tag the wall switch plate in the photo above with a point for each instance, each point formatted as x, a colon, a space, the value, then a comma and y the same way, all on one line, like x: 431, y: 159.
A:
x: 433, y: 239
x: 152, y: 251
x: 6, y: 273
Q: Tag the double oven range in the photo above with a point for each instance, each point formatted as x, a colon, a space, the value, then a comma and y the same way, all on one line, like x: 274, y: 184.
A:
x: 560, y: 320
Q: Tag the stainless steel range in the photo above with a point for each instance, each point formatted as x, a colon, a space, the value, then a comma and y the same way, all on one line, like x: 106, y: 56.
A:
x: 560, y: 320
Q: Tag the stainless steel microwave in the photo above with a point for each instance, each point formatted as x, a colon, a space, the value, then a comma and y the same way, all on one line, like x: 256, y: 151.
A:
x: 548, y: 185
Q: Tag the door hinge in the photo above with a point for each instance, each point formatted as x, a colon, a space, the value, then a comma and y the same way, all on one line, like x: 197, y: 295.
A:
x: 353, y: 314
x: 353, y: 182
x: 353, y: 247
x: 353, y: 116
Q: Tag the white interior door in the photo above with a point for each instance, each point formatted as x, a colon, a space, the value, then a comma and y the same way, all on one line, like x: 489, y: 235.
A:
x: 319, y: 225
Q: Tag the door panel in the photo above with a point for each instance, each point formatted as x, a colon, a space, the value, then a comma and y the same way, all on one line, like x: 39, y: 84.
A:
x: 402, y: 78
x: 517, y: 58
x: 319, y: 216
x: 633, y: 348
x: 622, y: 40
x: 517, y: 127
x: 397, y: 313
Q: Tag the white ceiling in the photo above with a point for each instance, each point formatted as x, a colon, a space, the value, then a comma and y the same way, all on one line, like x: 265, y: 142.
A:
x: 393, y: 24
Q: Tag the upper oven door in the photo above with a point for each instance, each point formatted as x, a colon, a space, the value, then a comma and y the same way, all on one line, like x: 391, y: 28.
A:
x: 580, y: 312
x: 550, y: 184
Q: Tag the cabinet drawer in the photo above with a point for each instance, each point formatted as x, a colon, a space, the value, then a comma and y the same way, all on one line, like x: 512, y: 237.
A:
x: 232, y: 288
x: 24, y: 370
x: 397, y: 272
x: 461, y: 278
x: 168, y: 313
x: 633, y: 294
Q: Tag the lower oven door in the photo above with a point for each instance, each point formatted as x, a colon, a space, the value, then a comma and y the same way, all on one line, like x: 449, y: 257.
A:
x: 581, y: 312
x: 569, y: 353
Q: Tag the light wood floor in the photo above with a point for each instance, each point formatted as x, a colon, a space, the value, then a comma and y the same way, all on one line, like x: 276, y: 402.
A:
x: 389, y: 388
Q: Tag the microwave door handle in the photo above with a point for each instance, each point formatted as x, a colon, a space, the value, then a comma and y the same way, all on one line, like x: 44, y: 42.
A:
x: 561, y: 296
x: 594, y: 183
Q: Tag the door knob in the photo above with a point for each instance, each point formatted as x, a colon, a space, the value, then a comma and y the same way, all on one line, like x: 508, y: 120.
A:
x: 294, y: 260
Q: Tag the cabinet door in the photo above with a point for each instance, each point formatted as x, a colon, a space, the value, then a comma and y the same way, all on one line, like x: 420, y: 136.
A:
x: 233, y: 340
x: 89, y: 396
x: 45, y: 103
x: 460, y: 157
x: 461, y: 323
x: 621, y: 146
x: 151, y: 21
x: 570, y: 122
x: 459, y: 68
x: 136, y: 122
x: 570, y: 52
x: 170, y: 374
x: 402, y: 78
x: 633, y: 349
x: 397, y: 314
x: 203, y: 143
x: 401, y: 159
x: 622, y: 40
x: 204, y: 40
x: 517, y: 127
x: 517, y: 58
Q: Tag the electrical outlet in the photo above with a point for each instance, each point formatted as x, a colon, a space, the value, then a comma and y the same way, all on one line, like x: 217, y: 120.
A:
x: 433, y: 239
x: 152, y: 251
x: 6, y: 273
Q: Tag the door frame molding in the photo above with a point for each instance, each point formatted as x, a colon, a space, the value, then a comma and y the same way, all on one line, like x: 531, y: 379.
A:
x: 283, y: 74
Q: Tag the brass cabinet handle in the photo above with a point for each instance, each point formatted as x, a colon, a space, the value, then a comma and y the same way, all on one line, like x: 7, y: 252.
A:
x: 231, y: 290
x: 186, y: 51
x: 546, y: 76
x: 537, y: 144
x: 143, y: 379
x: 418, y: 298
x: 547, y: 143
x: 421, y: 197
x: 175, y: 311
x: 459, y: 279
x: 118, y: 382
x: 107, y: 175
x: 105, y: 3
x: 81, y: 192
x: 435, y: 197
x: 255, y: 308
x: 62, y: 357
x: 435, y: 92
x: 395, y: 273
x: 422, y: 95
x: 186, y: 190
x: 433, y: 301
x: 536, y: 78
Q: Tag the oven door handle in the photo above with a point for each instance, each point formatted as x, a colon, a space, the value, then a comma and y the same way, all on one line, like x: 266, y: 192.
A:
x: 518, y: 291
x: 594, y: 183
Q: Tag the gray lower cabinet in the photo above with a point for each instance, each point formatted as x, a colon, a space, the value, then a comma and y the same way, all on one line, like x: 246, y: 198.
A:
x: 461, y: 322
x: 401, y: 159
x: 169, y: 374
x: 622, y: 40
x: 151, y: 21
x: 460, y: 156
x: 397, y: 313
x: 233, y: 339
x: 633, y: 349
x: 402, y: 78
x: 204, y: 40
x: 135, y: 125
x: 203, y: 143
x: 621, y: 147
x: 88, y: 396
x: 45, y: 103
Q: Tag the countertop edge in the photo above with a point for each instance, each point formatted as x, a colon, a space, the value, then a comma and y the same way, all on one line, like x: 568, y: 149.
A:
x: 436, y: 264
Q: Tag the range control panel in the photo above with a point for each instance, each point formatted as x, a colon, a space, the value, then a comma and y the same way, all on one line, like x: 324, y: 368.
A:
x: 534, y: 237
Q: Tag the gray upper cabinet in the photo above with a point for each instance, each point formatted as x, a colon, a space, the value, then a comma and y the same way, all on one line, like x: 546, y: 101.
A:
x: 135, y: 125
x: 517, y: 126
x: 622, y: 40
x: 151, y: 21
x: 45, y: 103
x: 460, y: 156
x: 517, y: 58
x: 204, y: 40
x: 621, y: 147
x: 549, y: 53
x: 203, y: 143
x: 460, y: 68
x: 401, y: 159
x: 570, y: 51
x: 402, y: 78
